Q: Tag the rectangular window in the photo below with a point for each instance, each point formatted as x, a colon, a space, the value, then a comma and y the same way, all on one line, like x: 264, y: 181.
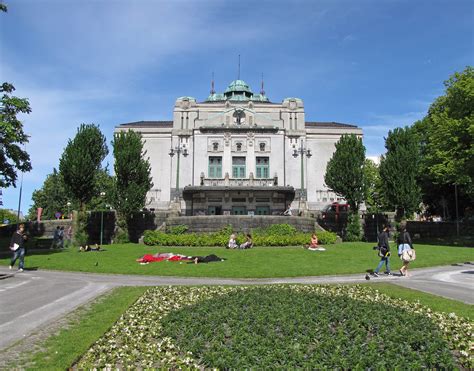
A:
x: 263, y: 167
x: 238, y: 167
x: 215, y: 167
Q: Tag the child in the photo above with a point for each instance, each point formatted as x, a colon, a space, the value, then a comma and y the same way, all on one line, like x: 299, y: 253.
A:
x: 232, y: 243
x: 247, y: 244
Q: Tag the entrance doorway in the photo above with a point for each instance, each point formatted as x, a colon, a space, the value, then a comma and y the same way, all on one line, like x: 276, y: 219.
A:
x: 214, y: 210
x: 262, y: 210
x: 239, y: 210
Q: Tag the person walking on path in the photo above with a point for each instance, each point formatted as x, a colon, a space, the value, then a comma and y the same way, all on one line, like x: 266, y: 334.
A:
x: 17, y: 245
x: 384, y: 251
x: 405, y: 249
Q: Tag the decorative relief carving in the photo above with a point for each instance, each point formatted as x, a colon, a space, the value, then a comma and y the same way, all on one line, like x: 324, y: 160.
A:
x: 215, y: 144
x: 293, y: 104
x: 263, y: 145
x: 250, y: 139
x: 227, y: 137
x: 238, y: 145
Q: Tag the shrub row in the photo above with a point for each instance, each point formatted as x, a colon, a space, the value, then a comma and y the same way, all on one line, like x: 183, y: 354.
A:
x: 275, y: 235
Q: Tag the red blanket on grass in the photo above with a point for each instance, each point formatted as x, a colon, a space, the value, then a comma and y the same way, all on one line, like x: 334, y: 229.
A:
x: 148, y: 258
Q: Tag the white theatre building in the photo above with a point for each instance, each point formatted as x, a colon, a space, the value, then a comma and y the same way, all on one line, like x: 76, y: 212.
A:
x: 239, y: 153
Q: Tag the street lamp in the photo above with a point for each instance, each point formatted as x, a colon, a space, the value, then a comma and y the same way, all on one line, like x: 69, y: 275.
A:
x: 302, y: 151
x: 178, y: 149
x: 68, y: 212
x: 102, y: 194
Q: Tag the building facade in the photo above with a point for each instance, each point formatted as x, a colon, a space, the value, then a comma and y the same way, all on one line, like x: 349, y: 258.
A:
x: 238, y: 153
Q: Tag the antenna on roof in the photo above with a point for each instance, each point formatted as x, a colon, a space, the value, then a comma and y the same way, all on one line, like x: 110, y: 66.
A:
x: 262, y: 91
x: 212, y: 84
x: 238, y: 74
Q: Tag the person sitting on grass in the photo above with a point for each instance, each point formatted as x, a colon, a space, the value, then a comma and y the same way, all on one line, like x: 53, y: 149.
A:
x: 248, y: 243
x: 232, y: 242
x: 313, y: 246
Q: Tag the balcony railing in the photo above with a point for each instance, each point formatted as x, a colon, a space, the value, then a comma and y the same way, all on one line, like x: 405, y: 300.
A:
x: 239, y: 182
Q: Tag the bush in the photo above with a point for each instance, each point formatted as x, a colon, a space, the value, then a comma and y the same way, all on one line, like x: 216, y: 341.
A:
x: 179, y: 229
x: 276, y: 235
x: 121, y: 237
x: 353, y: 231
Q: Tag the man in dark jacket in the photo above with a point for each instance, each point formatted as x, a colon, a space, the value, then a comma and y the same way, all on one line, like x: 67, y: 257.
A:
x: 17, y: 245
x: 384, y: 251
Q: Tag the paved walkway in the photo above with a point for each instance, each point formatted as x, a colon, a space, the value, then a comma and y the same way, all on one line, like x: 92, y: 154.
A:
x: 32, y: 299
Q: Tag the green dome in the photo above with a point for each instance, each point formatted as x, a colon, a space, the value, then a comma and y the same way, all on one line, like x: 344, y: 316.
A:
x: 238, y: 86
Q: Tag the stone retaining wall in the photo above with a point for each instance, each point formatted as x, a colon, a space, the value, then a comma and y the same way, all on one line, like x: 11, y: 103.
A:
x: 240, y: 223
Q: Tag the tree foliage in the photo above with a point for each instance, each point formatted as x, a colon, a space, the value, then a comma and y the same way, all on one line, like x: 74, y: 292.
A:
x: 12, y: 136
x: 398, y: 171
x: 345, y: 170
x: 132, y: 172
x: 447, y: 137
x: 7, y: 215
x: 80, y: 163
x: 373, y: 187
x: 53, y: 197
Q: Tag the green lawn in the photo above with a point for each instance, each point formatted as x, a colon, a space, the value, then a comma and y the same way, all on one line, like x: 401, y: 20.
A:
x: 88, y: 324
x: 344, y: 258
x: 436, y: 303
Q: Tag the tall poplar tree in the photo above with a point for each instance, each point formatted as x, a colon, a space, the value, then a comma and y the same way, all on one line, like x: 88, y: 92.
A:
x: 398, y: 171
x: 132, y: 172
x: 81, y: 161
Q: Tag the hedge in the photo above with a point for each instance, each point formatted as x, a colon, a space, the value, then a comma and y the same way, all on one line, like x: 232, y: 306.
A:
x: 275, y: 235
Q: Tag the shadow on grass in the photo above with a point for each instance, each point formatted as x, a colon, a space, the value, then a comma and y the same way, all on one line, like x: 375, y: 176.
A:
x: 462, y: 241
x: 29, y: 252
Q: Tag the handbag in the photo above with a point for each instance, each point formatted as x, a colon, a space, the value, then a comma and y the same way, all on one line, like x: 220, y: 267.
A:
x: 15, y: 247
x: 409, y: 255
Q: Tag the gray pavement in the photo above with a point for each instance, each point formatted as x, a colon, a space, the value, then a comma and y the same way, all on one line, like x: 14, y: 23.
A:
x: 32, y: 299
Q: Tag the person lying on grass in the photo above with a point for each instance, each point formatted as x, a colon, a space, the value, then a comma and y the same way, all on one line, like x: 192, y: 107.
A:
x: 207, y: 259
x: 86, y: 248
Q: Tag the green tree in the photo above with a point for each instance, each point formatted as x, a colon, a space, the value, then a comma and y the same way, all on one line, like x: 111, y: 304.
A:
x: 52, y: 197
x: 373, y: 186
x: 80, y: 163
x: 12, y: 137
x: 345, y: 171
x: 398, y: 171
x: 132, y: 172
x: 7, y: 215
x: 447, y: 136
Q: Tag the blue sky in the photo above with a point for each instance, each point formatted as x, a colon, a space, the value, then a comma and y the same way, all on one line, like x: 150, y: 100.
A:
x: 374, y: 63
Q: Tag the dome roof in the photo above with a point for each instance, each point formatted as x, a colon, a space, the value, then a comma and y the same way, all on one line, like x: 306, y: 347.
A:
x: 238, y: 86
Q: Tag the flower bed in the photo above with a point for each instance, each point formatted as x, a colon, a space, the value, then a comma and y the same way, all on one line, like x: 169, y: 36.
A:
x: 280, y: 326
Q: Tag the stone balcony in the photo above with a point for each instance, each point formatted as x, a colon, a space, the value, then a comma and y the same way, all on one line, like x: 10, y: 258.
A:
x: 238, y: 182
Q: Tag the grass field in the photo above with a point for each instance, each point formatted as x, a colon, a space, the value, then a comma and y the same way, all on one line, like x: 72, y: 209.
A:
x: 87, y: 324
x: 344, y: 258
